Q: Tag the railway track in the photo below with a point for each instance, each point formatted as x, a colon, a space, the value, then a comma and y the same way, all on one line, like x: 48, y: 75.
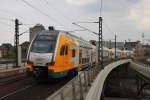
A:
x: 23, y: 87
x: 11, y: 79
x: 27, y: 89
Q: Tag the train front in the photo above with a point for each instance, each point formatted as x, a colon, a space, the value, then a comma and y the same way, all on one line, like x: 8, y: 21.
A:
x: 41, y: 54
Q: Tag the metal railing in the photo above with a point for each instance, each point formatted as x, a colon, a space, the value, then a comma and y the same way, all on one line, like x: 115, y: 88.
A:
x: 7, y: 68
x: 78, y: 87
x: 9, y: 64
x: 12, y: 72
x: 145, y: 65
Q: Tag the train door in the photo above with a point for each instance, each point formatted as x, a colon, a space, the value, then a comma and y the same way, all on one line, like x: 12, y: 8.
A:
x: 66, y: 57
x: 62, y: 56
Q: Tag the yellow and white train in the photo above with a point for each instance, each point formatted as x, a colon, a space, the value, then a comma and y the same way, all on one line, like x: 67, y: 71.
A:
x: 56, y: 54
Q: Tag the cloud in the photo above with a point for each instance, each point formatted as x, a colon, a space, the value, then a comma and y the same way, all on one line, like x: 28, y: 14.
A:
x: 80, y: 2
x: 141, y: 15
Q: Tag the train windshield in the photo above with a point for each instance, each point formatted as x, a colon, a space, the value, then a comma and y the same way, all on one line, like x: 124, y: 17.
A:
x: 44, y: 43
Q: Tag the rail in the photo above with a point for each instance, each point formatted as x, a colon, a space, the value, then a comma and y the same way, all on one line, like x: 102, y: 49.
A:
x: 143, y: 64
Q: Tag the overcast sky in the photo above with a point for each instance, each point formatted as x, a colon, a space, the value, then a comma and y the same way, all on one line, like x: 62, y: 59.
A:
x: 126, y: 18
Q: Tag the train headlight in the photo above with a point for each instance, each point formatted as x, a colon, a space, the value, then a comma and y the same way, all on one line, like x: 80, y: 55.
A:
x: 29, y: 64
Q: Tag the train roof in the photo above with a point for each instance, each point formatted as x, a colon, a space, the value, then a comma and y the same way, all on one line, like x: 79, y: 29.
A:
x: 83, y: 43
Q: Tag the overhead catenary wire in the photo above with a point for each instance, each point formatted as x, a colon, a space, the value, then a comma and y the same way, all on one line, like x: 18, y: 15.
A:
x: 7, y: 19
x: 60, y: 13
x: 6, y: 24
x: 43, y: 13
x: 86, y: 22
x: 24, y: 32
x: 108, y: 28
x: 15, y: 15
x: 73, y: 31
x: 85, y: 28
x: 13, y: 20
x: 58, y: 10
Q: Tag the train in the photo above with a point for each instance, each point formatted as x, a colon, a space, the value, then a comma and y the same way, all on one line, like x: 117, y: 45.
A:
x: 55, y: 54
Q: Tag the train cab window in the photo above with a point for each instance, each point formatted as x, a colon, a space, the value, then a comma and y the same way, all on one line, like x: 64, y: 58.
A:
x: 45, y: 42
x: 66, y: 51
x: 73, y: 53
x: 62, y: 50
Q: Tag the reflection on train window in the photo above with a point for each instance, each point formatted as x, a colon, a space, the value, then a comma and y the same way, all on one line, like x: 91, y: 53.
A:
x: 73, y: 53
x: 62, y: 50
x: 44, y: 43
x: 42, y: 47
x: 66, y: 51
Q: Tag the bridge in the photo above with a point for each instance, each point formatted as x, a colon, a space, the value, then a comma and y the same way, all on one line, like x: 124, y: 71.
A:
x: 96, y: 91
x: 85, y: 89
x: 94, y: 83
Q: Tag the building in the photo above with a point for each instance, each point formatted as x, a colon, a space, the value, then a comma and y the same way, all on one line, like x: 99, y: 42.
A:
x: 25, y: 45
x: 141, y: 51
x: 138, y: 51
x: 146, y: 50
x: 34, y: 30
x: 110, y: 44
x: 24, y: 48
x: 131, y: 45
x: 4, y: 50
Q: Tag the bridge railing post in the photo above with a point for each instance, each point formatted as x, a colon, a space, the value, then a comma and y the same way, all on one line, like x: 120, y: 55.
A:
x: 62, y: 95
x: 95, y: 70
x: 88, y: 79
x: 85, y: 81
x: 81, y: 88
x: 91, y: 75
x: 73, y: 90
x: 90, y: 72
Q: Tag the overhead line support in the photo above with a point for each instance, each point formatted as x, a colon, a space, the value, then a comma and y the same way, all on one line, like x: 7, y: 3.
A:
x: 17, y: 39
x: 100, y: 44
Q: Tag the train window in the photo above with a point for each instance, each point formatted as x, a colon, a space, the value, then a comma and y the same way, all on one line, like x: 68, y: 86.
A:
x: 62, y: 50
x: 73, y: 52
x: 44, y: 43
x: 66, y: 51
